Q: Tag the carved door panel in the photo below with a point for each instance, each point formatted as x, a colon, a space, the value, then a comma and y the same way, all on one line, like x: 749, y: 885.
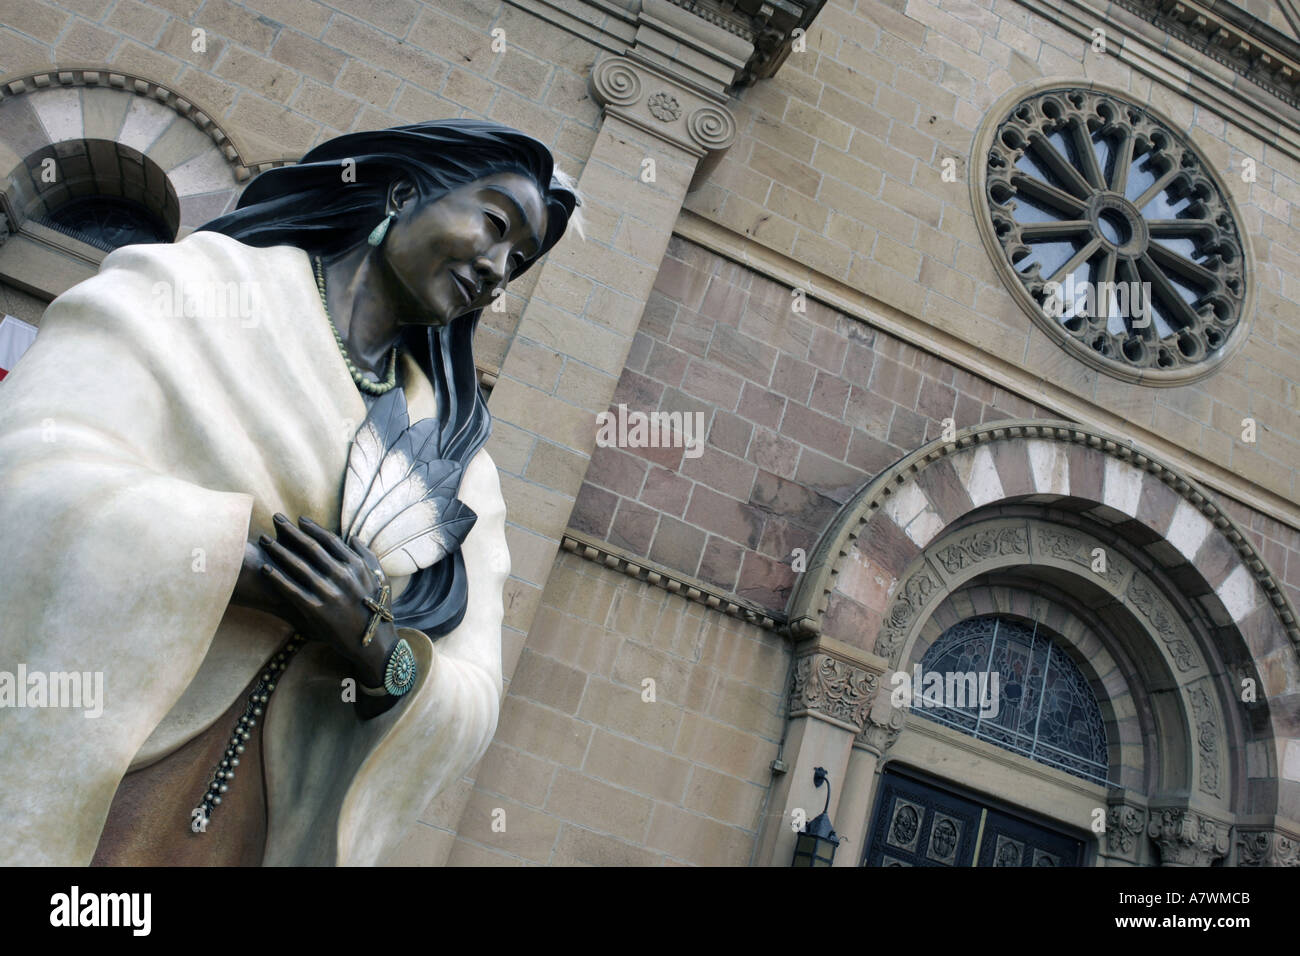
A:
x: 921, y: 825
x: 918, y: 822
x: 1011, y: 842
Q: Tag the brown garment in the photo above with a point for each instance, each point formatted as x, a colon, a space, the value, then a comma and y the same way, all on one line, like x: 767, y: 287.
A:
x: 149, y: 822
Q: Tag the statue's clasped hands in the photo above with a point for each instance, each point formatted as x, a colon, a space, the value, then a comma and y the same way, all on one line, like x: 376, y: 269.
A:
x: 327, y: 588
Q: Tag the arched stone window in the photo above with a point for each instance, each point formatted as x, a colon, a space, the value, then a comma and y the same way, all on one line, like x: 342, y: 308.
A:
x: 107, y: 194
x: 1029, y: 697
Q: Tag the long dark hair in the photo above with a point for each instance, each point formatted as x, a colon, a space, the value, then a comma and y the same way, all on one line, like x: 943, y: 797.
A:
x: 329, y: 202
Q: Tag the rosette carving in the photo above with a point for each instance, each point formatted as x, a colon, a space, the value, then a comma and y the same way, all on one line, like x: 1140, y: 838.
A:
x: 664, y: 106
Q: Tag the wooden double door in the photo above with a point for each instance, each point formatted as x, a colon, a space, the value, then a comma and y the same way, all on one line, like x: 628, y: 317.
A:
x: 921, y: 822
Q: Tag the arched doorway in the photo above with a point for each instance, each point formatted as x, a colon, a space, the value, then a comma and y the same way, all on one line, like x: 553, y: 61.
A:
x: 1176, y: 622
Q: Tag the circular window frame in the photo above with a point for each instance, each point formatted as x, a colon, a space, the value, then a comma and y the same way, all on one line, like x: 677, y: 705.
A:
x: 1011, y: 279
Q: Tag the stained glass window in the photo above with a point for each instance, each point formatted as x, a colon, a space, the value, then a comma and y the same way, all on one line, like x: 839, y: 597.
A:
x: 1008, y: 683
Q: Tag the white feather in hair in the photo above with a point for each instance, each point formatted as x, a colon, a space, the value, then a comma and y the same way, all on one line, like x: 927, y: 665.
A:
x: 571, y: 184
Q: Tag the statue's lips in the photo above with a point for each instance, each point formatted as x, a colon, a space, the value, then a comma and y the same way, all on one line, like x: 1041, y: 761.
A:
x: 466, y: 287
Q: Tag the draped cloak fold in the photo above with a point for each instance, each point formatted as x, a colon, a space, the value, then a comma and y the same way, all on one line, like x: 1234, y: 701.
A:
x: 139, y: 450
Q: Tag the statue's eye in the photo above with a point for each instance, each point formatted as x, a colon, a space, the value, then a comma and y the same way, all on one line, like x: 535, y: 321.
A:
x: 496, y: 220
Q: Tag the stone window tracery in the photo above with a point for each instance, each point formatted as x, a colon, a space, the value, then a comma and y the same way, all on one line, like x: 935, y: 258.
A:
x: 1119, y: 233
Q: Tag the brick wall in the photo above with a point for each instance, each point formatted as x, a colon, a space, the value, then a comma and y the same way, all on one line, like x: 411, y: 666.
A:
x: 802, y: 409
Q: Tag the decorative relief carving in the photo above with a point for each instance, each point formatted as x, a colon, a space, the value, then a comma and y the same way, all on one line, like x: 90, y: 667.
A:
x: 813, y: 589
x: 1205, y: 716
x: 1125, y: 825
x: 618, y: 83
x: 1209, y: 31
x: 1162, y: 620
x: 915, y: 592
x: 981, y: 545
x: 878, y: 737
x: 835, y: 688
x: 1267, y: 848
x: 1064, y: 546
x: 711, y: 127
x: 1188, y: 838
x: 664, y: 106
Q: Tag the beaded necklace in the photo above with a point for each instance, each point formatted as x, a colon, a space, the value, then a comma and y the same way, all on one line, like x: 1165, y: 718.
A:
x: 363, y: 383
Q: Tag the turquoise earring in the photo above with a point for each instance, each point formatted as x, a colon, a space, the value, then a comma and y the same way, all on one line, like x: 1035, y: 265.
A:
x: 381, y: 230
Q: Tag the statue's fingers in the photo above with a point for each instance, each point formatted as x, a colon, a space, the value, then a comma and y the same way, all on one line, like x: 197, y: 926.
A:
x: 296, y: 540
x: 371, y: 561
x: 288, y: 590
x: 331, y: 542
x: 306, y: 577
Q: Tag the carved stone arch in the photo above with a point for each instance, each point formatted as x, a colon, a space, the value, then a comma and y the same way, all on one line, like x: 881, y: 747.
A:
x: 860, y: 596
x: 107, y: 133
x: 1191, y: 748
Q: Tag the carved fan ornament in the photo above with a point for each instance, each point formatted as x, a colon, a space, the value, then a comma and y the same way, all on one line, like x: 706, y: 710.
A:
x: 1118, y: 231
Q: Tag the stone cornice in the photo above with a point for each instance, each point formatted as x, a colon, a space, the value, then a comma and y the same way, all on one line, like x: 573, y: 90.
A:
x: 672, y: 581
x: 1154, y: 52
x: 651, y: 100
x: 1232, y: 37
x: 766, y: 27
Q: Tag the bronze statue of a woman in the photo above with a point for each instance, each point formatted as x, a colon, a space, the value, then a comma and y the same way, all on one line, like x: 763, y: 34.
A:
x: 274, y: 530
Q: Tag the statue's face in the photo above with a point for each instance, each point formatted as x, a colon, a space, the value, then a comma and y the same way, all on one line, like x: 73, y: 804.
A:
x: 453, y: 253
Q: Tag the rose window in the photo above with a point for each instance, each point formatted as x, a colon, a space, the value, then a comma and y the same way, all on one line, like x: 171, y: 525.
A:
x: 1115, y: 234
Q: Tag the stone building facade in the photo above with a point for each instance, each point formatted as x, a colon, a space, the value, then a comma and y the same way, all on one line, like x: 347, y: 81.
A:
x: 828, y: 233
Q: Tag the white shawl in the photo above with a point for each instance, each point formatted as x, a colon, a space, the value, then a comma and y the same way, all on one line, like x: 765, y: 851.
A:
x: 139, y: 450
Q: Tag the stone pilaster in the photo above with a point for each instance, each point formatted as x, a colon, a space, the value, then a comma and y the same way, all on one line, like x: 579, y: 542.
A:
x: 879, y: 731
x: 831, y: 699
x: 583, y: 312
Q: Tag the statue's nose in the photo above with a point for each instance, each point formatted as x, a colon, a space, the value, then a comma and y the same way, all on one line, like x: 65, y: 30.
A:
x: 492, y: 272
